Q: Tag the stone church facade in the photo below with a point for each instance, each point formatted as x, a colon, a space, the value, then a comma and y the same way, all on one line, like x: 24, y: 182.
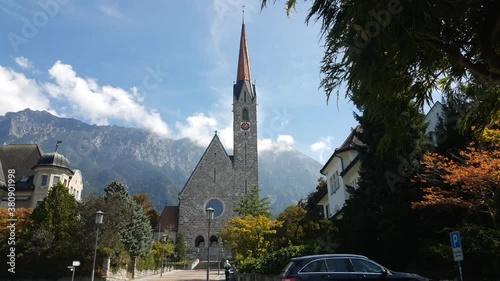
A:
x: 221, y: 180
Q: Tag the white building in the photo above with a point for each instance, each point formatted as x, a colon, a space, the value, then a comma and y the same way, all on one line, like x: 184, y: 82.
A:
x: 341, y: 171
x: 35, y: 173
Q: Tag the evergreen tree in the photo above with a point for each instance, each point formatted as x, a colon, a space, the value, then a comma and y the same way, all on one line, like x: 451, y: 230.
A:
x: 378, y: 220
x: 180, y: 247
x: 137, y: 235
x: 253, y: 205
x: 116, y: 188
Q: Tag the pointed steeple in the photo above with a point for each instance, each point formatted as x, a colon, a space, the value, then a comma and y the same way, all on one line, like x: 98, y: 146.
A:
x: 244, y: 73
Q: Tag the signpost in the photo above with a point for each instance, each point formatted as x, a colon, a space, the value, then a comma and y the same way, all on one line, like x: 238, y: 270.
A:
x: 73, y: 268
x: 456, y: 247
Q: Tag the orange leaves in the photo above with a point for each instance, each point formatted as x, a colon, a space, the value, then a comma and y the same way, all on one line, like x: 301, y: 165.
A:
x: 469, y: 180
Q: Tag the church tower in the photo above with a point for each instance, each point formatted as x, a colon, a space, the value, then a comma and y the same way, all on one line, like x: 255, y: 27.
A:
x: 245, y: 120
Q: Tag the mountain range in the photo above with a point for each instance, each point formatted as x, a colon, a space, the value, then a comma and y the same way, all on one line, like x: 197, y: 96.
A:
x: 146, y: 162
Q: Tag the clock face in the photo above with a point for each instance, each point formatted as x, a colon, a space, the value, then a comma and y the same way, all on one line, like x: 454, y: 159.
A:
x: 245, y: 126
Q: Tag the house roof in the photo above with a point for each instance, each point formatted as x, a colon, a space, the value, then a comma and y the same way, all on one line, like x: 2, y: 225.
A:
x: 168, y: 219
x: 350, y: 143
x: 20, y: 157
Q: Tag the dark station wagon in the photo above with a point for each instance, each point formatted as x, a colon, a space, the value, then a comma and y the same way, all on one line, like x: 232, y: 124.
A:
x: 341, y: 267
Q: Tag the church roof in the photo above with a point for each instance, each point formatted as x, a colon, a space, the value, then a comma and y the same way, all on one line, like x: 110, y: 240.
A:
x: 168, y: 219
x: 244, y: 73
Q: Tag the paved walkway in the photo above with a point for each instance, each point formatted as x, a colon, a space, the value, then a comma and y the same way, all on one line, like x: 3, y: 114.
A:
x: 193, y: 275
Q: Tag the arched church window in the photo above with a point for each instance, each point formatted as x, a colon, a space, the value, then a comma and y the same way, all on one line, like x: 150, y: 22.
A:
x: 199, y: 241
x: 245, y: 115
x: 217, y: 205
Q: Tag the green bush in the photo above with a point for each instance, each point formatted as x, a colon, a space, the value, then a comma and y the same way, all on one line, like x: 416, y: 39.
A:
x: 274, y: 262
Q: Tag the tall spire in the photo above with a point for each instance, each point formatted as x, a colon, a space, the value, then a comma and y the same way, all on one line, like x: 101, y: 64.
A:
x: 244, y: 72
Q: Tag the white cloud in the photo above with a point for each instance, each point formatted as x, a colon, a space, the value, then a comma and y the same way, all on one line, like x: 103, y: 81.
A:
x: 199, y: 128
x: 111, y: 11
x: 99, y: 104
x: 321, y: 147
x: 19, y: 92
x: 283, y: 142
x: 23, y: 62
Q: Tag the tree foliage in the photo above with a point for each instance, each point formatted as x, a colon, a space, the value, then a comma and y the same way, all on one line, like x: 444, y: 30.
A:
x: 253, y: 205
x: 248, y: 236
x: 388, y: 53
x: 298, y: 227
x: 148, y: 206
x: 378, y: 220
x: 471, y: 180
x: 180, y: 247
x: 56, y: 234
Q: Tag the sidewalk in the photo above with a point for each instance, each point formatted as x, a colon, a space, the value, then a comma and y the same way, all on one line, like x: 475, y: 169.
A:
x: 177, y: 275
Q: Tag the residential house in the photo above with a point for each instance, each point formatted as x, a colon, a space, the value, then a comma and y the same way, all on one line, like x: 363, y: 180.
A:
x: 34, y: 173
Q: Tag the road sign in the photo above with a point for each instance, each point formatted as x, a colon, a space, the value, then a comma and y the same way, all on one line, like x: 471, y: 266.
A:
x: 456, y: 246
x: 76, y: 263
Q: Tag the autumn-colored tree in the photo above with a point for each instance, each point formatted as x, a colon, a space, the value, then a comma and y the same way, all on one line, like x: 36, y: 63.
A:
x: 470, y: 181
x: 248, y: 236
x: 298, y: 227
x: 22, y: 225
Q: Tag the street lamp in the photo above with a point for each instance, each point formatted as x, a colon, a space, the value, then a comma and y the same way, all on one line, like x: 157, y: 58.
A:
x: 98, y: 221
x: 163, y: 240
x: 210, y: 217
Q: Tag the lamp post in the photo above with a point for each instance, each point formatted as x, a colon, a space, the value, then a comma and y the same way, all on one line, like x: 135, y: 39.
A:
x: 210, y: 217
x: 98, y: 221
x: 163, y: 240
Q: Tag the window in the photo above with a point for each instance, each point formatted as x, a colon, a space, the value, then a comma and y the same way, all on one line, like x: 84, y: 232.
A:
x: 24, y: 179
x: 337, y: 265
x: 65, y: 182
x: 45, y: 179
x: 327, y: 207
x: 365, y: 266
x: 315, y: 266
x: 337, y: 181
x: 56, y: 179
x: 245, y: 115
x: 217, y: 205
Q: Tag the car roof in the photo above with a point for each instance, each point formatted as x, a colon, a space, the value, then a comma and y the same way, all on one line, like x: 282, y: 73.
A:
x: 330, y: 256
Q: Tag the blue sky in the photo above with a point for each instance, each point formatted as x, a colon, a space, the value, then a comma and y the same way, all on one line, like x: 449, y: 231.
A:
x: 169, y: 67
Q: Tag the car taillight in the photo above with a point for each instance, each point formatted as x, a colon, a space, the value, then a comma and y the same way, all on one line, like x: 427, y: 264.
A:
x: 289, y: 279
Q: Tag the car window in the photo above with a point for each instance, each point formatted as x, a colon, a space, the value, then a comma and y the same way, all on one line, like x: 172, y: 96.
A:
x: 315, y: 266
x: 337, y: 265
x: 365, y: 266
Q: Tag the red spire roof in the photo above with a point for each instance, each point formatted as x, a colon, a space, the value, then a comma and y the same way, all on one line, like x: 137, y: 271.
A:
x: 244, y: 72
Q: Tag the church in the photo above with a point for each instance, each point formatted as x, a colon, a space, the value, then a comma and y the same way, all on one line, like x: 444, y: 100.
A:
x: 219, y: 180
